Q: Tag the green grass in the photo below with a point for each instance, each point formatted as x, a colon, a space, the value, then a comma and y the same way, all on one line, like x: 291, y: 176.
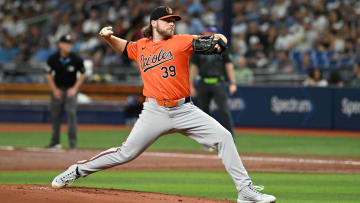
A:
x: 299, y: 145
x: 246, y: 143
x: 289, y: 188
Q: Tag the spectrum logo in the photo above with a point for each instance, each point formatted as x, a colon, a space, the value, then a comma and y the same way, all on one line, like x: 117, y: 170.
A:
x: 349, y: 107
x: 292, y: 105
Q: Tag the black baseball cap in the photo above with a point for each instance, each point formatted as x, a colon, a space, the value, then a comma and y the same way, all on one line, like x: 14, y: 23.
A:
x: 66, y: 38
x: 163, y: 12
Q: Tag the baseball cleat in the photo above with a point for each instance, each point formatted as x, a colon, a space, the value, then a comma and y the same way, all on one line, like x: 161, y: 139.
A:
x: 65, y: 178
x: 250, y: 194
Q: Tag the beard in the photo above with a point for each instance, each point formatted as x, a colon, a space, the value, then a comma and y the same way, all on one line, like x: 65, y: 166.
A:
x: 165, y: 33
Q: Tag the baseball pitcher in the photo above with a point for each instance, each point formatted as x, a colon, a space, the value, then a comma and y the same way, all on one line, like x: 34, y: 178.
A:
x: 163, y: 60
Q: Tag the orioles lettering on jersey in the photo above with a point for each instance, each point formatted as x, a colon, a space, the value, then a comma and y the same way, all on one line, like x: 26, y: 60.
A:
x: 152, y: 61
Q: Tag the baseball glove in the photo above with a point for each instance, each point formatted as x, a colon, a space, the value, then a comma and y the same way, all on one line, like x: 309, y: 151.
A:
x: 206, y: 45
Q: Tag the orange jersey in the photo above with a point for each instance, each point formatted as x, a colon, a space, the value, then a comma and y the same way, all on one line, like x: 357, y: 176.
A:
x: 164, y: 65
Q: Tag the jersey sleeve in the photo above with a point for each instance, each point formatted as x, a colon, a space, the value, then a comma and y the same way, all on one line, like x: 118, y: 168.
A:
x: 78, y: 62
x: 49, y: 63
x: 131, y: 50
x: 81, y: 66
x: 227, y: 57
x: 186, y: 43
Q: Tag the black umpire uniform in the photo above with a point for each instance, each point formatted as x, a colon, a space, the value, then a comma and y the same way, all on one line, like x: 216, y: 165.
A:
x: 212, y: 83
x: 63, y: 67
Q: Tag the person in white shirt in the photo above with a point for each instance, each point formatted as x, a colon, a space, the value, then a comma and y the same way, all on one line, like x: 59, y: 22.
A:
x: 315, y: 79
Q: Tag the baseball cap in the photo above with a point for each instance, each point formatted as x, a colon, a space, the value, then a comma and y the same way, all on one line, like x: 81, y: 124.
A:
x: 66, y: 38
x: 163, y: 12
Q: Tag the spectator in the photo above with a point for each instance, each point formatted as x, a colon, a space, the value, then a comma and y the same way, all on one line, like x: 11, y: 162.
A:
x: 279, y: 8
x: 255, y: 55
x: 357, y: 49
x: 8, y: 52
x: 239, y: 25
x: 243, y: 74
x: 327, y: 30
x: 285, y: 40
x: 20, y: 26
x: 8, y: 25
x: 182, y: 27
x: 33, y: 39
x: 64, y: 27
x: 195, y: 7
x: 355, y: 82
x: 271, y: 37
x: 208, y: 17
x: 196, y: 27
x: 305, y: 65
x: 89, y: 43
x: 78, y: 12
x: 91, y: 25
x: 254, y: 33
x: 335, y: 78
x: 283, y: 63
x: 315, y: 79
x: 320, y: 21
x: 239, y: 47
x: 308, y: 39
x: 43, y: 53
x: 24, y: 53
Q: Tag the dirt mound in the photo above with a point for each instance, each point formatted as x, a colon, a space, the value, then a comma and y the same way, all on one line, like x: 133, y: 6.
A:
x: 45, y: 194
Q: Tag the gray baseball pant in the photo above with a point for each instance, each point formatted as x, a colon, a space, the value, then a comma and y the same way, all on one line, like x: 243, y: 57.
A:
x: 57, y: 107
x: 155, y: 121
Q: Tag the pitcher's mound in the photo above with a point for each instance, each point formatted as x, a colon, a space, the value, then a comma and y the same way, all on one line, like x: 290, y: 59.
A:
x: 10, y: 193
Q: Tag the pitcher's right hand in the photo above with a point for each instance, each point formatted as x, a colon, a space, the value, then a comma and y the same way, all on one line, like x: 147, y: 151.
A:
x: 106, y: 32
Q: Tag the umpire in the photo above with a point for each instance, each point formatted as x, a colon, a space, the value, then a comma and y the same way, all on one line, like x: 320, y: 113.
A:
x: 62, y: 75
x: 211, y: 70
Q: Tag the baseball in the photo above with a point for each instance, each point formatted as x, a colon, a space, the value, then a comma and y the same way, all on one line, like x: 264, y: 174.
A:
x: 106, y: 32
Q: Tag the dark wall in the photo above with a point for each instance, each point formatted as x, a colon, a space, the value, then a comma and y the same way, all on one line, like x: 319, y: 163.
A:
x: 317, y: 108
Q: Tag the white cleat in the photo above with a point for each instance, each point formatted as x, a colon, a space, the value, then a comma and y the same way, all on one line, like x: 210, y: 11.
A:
x: 65, y: 178
x: 250, y: 194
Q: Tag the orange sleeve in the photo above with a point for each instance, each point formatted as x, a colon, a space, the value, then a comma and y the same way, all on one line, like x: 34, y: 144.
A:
x: 186, y: 43
x: 131, y: 50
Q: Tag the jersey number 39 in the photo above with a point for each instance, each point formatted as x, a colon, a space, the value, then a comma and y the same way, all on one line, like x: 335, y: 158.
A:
x: 168, y: 71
